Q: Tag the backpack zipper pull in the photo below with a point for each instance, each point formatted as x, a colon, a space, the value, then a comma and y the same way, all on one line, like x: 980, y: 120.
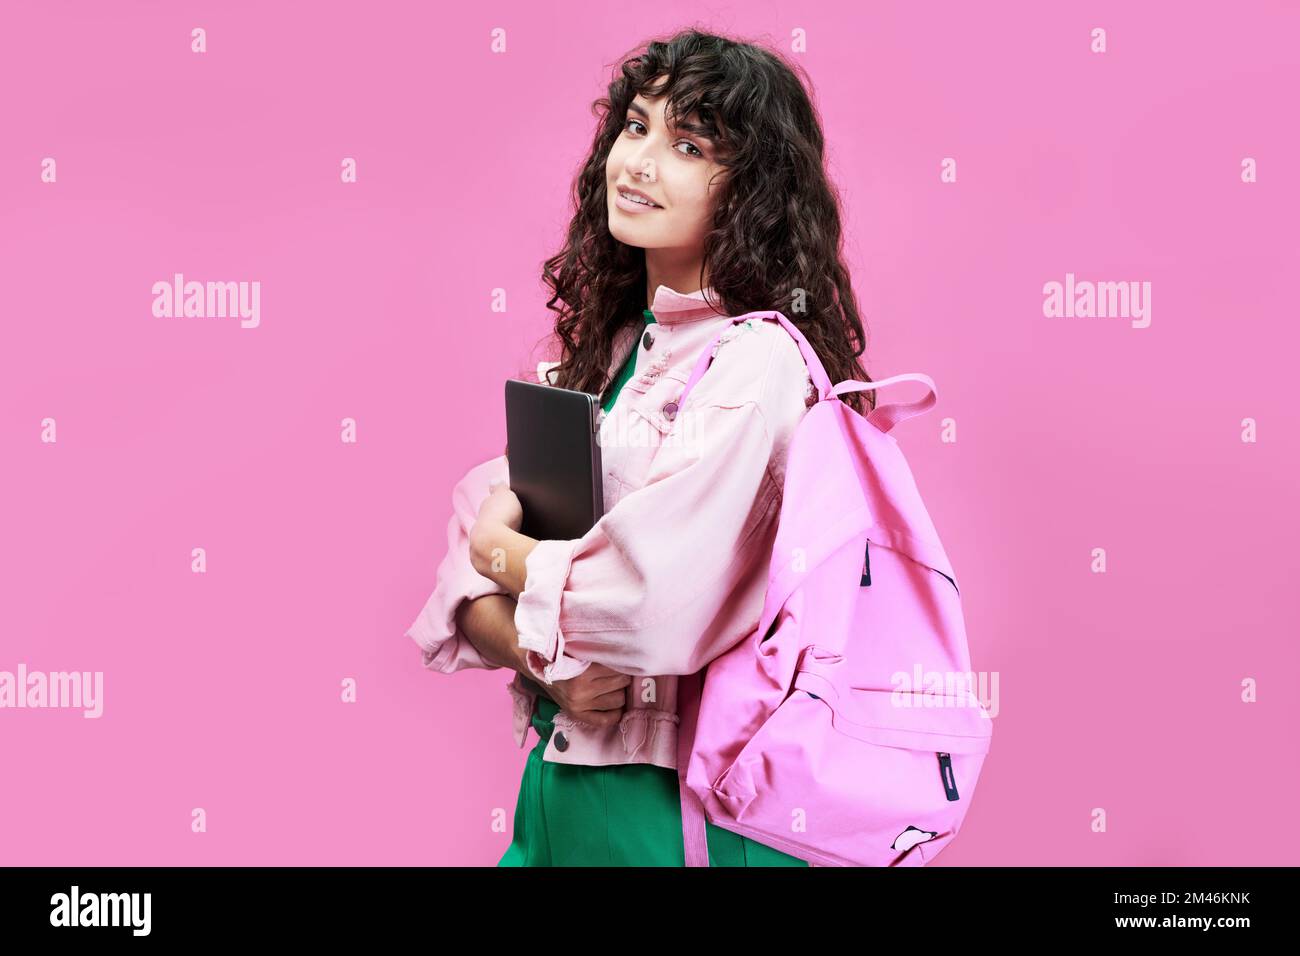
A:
x: 949, y: 782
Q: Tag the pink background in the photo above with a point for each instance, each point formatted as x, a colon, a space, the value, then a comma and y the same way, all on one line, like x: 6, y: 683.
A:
x: 222, y: 690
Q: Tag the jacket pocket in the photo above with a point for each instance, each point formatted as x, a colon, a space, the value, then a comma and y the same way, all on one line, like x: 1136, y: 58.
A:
x: 640, y: 430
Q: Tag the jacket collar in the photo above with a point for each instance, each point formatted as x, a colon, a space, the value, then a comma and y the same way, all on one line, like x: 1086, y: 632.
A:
x: 671, y: 307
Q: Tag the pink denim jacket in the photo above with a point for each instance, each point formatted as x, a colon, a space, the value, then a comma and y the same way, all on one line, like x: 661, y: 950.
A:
x: 674, y: 573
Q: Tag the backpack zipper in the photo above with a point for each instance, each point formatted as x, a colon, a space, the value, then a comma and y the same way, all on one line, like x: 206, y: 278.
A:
x: 949, y: 782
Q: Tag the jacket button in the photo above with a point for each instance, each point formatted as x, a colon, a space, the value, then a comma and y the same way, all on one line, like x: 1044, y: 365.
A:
x: 647, y: 340
x: 561, y: 742
x: 670, y: 411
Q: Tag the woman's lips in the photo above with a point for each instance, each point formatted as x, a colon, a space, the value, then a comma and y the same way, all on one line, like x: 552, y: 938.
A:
x: 627, y: 205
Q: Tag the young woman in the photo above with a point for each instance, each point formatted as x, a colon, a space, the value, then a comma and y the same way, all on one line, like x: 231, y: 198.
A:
x: 704, y: 197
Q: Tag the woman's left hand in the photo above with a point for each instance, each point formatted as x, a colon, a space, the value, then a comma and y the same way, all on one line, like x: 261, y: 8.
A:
x: 497, y: 549
x: 502, y: 506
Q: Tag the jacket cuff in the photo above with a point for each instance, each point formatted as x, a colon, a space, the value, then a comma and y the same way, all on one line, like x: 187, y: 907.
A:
x: 524, y: 701
x: 444, y: 647
x: 537, y: 611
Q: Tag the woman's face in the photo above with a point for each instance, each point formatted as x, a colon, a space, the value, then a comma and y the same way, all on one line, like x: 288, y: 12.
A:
x: 673, y: 167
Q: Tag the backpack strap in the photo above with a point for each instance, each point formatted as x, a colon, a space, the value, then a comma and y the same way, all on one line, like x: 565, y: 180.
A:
x: 816, y: 372
x: 695, y: 836
x: 885, y: 417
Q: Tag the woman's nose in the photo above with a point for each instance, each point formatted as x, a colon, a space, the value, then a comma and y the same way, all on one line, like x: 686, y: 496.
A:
x: 642, y: 166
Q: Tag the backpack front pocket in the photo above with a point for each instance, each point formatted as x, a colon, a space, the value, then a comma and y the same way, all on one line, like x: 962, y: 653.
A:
x: 867, y: 780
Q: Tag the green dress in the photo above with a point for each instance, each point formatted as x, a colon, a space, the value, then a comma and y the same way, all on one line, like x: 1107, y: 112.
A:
x: 617, y: 815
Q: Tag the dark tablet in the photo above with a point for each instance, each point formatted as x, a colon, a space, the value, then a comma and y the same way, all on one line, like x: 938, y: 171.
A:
x: 553, y: 457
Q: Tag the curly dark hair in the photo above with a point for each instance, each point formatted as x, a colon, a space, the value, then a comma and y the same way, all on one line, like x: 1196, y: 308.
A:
x: 775, y: 239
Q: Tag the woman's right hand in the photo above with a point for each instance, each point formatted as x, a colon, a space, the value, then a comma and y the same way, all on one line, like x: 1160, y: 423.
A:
x: 596, y: 696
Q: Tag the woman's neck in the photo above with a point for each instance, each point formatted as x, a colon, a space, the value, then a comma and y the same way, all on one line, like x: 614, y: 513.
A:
x: 680, y: 275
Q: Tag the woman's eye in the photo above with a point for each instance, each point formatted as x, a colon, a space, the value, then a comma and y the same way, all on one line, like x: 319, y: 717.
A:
x: 630, y: 121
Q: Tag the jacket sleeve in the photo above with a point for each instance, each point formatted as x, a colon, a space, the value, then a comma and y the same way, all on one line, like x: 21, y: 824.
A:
x: 443, y: 645
x: 649, y: 590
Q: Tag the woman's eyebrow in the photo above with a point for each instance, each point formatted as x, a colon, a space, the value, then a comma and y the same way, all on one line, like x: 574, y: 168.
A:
x: 683, y: 127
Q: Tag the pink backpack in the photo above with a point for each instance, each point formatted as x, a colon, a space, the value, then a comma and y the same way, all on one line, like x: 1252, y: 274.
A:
x: 845, y: 730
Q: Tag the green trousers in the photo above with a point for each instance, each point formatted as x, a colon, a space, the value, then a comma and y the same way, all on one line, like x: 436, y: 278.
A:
x: 619, y: 815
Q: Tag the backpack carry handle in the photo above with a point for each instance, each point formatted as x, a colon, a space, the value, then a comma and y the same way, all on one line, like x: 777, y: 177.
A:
x: 885, y: 417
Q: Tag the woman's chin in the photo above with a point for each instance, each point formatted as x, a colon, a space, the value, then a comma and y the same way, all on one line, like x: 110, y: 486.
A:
x: 627, y: 234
